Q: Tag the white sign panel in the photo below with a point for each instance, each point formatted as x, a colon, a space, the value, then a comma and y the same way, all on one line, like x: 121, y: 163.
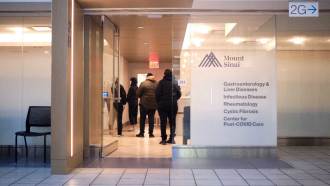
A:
x: 303, y: 9
x: 233, y: 99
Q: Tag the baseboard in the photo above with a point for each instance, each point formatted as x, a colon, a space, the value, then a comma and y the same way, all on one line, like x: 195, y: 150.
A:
x: 303, y: 141
x: 215, y: 152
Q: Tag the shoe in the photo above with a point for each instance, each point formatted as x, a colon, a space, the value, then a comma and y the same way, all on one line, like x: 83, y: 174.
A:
x: 140, y: 135
x: 170, y: 141
x: 151, y: 136
x: 163, y: 142
x: 120, y: 135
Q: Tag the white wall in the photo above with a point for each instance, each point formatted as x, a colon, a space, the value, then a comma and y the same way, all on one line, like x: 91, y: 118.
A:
x: 25, y: 80
x: 303, y: 93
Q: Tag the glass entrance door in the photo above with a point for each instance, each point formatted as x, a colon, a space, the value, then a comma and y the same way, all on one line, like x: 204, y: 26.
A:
x: 110, y: 92
x: 101, y: 69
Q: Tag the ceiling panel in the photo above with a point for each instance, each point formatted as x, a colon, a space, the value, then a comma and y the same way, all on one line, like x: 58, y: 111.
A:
x: 141, y: 35
x: 135, y: 3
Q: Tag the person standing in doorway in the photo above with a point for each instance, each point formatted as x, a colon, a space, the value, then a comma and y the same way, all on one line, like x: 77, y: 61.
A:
x: 167, y: 95
x: 146, y: 93
x: 132, y: 100
x: 119, y: 102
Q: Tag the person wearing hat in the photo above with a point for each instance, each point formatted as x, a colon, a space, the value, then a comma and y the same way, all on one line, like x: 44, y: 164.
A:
x: 147, y: 94
x: 132, y: 100
x: 167, y: 94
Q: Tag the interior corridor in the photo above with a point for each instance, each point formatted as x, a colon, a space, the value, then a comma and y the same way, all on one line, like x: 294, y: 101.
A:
x: 130, y: 146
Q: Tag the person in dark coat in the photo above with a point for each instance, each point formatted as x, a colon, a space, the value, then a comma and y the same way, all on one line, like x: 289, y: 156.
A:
x: 132, y: 100
x: 167, y: 95
x: 119, y: 102
x: 146, y: 92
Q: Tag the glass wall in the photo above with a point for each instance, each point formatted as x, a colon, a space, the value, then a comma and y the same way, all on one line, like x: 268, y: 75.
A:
x: 25, y: 72
x: 300, y: 51
x: 303, y: 62
x: 227, y: 73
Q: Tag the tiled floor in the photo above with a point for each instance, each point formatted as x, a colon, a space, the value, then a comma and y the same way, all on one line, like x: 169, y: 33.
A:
x: 311, y: 167
x: 131, y: 146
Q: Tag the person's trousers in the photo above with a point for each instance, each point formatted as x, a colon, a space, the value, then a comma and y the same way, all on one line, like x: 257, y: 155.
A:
x: 133, y: 111
x: 168, y: 114
x: 119, y: 108
x: 151, y: 117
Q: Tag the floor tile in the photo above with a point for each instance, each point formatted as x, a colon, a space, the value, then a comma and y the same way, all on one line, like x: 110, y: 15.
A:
x: 208, y: 182
x: 78, y: 181
x: 312, y: 183
x: 285, y: 182
x: 233, y: 182
x: 130, y: 181
x: 157, y: 182
x: 259, y: 182
x: 277, y: 176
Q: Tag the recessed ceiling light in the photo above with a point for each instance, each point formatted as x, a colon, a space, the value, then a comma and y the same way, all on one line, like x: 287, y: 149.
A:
x: 236, y: 40
x: 198, y: 28
x: 140, y: 27
x: 263, y: 40
x: 105, y: 42
x: 18, y: 29
x: 297, y: 40
x: 154, y: 16
x: 197, y: 41
x: 41, y: 28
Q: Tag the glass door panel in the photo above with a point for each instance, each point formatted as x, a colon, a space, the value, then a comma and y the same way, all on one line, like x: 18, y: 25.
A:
x: 219, y: 49
x: 110, y: 73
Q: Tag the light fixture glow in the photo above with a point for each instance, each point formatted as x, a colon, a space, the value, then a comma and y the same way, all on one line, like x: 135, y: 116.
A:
x: 105, y: 42
x: 263, y: 40
x: 297, y: 40
x: 236, y: 40
x: 27, y: 39
x: 140, y: 27
x: 229, y: 27
x: 41, y: 28
x: 72, y: 77
x: 18, y: 30
x: 198, y: 28
x: 197, y: 42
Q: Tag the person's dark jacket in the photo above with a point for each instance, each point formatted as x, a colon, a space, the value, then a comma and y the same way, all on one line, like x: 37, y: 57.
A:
x: 167, y: 93
x: 132, y: 98
x: 123, y: 98
x: 146, y: 93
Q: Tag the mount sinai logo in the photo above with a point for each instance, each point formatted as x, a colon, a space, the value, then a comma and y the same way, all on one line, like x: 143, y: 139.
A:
x: 210, y: 60
x: 228, y: 61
